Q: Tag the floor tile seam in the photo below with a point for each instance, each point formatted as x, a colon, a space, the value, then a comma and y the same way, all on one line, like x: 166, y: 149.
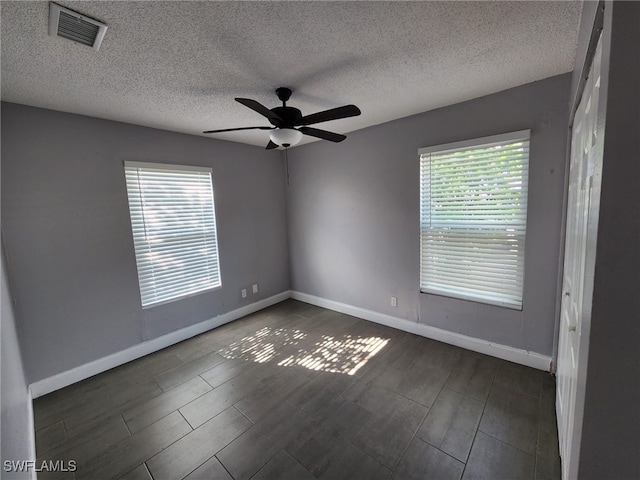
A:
x: 131, y: 379
x: 298, y: 408
x: 413, y: 436
x: 296, y: 460
x: 66, y: 412
x: 513, y: 390
x: 211, y: 389
x: 278, y: 426
x: 63, y: 450
x: 275, y: 455
x: 167, y: 446
x: 223, y: 465
x: 151, y: 424
x: 193, y: 430
x: 446, y: 453
x: 121, y: 407
x: 37, y: 429
x: 408, y: 367
x: 41, y: 454
x: 179, y: 384
x: 428, y: 407
x: 350, y: 443
x: 507, y: 443
x: 475, y: 435
x: 538, y: 373
x: 146, y: 467
x: 493, y: 376
x: 154, y: 379
x: 174, y: 410
x: 99, y: 420
x: 457, y: 404
x: 535, y: 454
x: 243, y: 414
x: 359, y: 430
x: 281, y: 432
x: 90, y: 459
x: 321, y: 424
x: 66, y: 448
x: 126, y: 425
x: 188, y: 473
x: 132, y: 469
x: 545, y: 457
x: 226, y: 381
x: 465, y: 395
x: 436, y: 397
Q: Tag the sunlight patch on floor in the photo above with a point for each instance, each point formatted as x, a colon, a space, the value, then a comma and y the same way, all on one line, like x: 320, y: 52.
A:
x: 346, y: 355
x: 288, y: 348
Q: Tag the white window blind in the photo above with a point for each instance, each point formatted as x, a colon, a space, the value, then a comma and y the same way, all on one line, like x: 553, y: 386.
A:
x: 473, y: 216
x: 174, y: 230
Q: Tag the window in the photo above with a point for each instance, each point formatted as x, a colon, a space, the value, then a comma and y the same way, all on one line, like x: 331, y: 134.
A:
x: 473, y: 216
x: 174, y: 230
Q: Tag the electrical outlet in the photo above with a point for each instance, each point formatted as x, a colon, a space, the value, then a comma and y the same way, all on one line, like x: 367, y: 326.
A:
x: 394, y: 301
x: 255, y: 288
x: 244, y: 293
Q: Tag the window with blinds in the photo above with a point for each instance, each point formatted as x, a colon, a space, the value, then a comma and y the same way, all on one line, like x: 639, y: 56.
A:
x: 174, y: 230
x: 473, y: 217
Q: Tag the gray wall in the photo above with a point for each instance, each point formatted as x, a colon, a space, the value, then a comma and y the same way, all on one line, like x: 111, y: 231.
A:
x: 17, y: 435
x: 353, y: 210
x: 610, y: 441
x: 69, y: 247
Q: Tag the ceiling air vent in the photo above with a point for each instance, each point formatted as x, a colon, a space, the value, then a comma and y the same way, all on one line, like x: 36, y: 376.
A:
x: 75, y: 26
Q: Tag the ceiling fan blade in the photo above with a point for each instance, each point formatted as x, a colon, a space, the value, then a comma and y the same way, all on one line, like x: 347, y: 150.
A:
x: 261, y: 109
x: 236, y: 129
x: 332, y: 114
x: 271, y: 145
x: 323, y: 134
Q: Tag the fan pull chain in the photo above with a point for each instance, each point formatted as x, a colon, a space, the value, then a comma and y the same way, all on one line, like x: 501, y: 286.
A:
x: 286, y: 162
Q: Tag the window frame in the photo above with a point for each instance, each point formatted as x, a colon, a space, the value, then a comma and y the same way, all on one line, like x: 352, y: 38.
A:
x: 472, y: 144
x: 137, y: 248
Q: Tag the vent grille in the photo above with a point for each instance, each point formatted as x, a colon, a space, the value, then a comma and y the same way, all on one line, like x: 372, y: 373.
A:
x: 76, y: 29
x: 75, y: 26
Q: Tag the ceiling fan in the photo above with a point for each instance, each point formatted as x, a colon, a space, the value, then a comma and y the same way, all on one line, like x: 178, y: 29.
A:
x: 288, y: 124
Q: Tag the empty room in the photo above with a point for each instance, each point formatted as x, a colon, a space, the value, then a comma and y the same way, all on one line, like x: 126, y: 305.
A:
x: 320, y: 240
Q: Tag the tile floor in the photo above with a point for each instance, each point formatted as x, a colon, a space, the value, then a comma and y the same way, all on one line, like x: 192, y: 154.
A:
x: 298, y: 392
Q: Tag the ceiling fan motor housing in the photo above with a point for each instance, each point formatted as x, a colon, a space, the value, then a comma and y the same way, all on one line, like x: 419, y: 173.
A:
x: 289, y: 115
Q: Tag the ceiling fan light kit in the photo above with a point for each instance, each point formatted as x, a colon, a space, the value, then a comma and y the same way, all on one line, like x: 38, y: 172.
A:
x: 285, y: 120
x: 285, y: 137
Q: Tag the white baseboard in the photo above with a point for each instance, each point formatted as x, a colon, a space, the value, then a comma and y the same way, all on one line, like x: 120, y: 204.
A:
x: 516, y: 355
x: 82, y: 372
x: 31, y: 428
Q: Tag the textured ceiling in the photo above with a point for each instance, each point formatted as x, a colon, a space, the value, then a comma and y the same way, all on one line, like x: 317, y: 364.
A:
x: 178, y: 65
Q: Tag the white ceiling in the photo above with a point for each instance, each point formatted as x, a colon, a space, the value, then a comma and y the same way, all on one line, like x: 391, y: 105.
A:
x: 178, y: 65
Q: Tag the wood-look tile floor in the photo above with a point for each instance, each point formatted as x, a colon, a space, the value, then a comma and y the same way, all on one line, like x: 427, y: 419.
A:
x: 298, y: 392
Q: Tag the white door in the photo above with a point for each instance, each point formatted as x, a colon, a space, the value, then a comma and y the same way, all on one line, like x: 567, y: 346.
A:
x: 576, y: 301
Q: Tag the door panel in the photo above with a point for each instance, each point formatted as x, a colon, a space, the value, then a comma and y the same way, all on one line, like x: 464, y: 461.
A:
x: 584, y: 150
